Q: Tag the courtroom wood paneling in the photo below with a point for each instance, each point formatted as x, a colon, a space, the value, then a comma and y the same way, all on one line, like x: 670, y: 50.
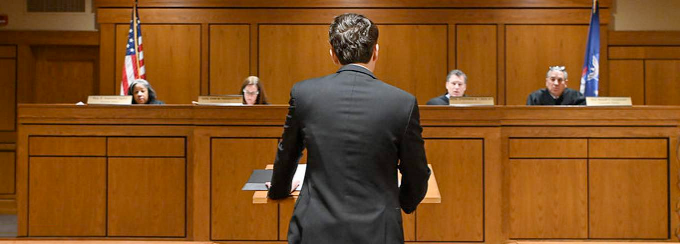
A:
x: 644, y: 52
x: 8, y: 52
x: 628, y: 199
x: 8, y: 206
x: 628, y: 80
x: 286, y: 208
x: 289, y: 54
x: 644, y: 38
x: 408, y: 222
x: 7, y: 172
x: 628, y: 148
x: 67, y: 146
x: 477, y: 57
x: 233, y: 215
x: 65, y: 74
x: 171, y: 59
x: 413, y: 58
x: 67, y: 196
x: 531, y: 49
x: 541, y: 192
x: 8, y: 82
x: 107, y: 49
x: 60, y: 38
x: 146, y: 146
x: 548, y: 148
x: 147, y: 197
x: 365, y: 3
x: 661, y: 82
x: 229, y: 57
x: 459, y: 166
x: 325, y: 16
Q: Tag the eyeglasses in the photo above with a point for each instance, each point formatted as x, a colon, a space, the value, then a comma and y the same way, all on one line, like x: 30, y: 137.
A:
x: 251, y: 93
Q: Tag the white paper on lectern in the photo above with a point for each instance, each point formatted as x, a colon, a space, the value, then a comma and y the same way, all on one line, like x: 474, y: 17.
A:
x: 300, y: 175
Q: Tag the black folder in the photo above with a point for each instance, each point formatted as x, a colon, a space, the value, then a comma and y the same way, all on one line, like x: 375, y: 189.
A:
x: 257, y: 180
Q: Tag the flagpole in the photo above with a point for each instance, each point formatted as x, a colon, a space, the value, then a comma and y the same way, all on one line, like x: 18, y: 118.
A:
x: 134, y: 26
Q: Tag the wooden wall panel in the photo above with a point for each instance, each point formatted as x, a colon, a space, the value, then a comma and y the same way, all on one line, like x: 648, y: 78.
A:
x: 460, y: 215
x: 233, y: 215
x: 531, y: 49
x: 629, y: 199
x: 171, y: 57
x: 146, y: 146
x: 477, y: 57
x: 672, y: 52
x: 7, y: 172
x: 8, y: 82
x: 365, y: 3
x: 628, y: 148
x: 548, y: 148
x: 413, y: 58
x: 229, y: 57
x: 542, y: 191
x: 65, y: 74
x: 627, y: 80
x: 292, y: 53
x: 67, y: 146
x: 67, y: 196
x: 661, y: 82
x: 146, y: 197
x: 8, y: 51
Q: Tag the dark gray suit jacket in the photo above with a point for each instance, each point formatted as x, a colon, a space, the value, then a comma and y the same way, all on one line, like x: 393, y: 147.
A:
x: 358, y: 132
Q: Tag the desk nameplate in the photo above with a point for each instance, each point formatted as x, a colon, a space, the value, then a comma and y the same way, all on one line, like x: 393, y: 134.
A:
x: 109, y: 100
x: 471, y: 101
x: 608, y: 101
x: 226, y: 100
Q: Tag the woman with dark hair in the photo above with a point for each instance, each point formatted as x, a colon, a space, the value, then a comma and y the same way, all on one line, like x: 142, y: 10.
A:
x: 142, y: 93
x: 253, y: 92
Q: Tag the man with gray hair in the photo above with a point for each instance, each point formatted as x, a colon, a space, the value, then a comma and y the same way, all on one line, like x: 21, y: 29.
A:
x: 359, y: 132
x: 556, y: 91
x: 456, y: 84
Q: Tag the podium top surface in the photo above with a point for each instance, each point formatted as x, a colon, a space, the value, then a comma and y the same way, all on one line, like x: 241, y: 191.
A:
x: 432, y: 195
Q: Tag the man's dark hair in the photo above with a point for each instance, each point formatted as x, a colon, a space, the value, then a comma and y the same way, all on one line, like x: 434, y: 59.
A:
x: 353, y: 37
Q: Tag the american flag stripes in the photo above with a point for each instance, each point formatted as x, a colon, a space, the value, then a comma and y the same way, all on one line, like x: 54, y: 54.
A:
x: 134, y: 57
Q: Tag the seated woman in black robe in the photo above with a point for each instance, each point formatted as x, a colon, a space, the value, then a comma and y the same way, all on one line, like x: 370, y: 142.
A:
x: 556, y: 91
x: 142, y: 93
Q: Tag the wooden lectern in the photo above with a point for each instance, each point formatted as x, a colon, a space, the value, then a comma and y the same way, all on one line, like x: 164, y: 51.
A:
x: 432, y: 195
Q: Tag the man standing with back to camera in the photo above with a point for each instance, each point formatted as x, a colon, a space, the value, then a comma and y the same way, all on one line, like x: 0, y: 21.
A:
x: 358, y: 132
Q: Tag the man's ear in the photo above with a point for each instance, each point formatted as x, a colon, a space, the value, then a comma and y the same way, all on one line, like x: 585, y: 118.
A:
x: 334, y: 56
x: 376, y: 48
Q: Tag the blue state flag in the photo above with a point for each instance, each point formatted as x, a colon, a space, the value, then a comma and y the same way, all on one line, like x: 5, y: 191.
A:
x: 590, y: 75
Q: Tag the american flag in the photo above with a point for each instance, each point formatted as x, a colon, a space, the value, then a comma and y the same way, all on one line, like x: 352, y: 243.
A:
x: 134, y: 57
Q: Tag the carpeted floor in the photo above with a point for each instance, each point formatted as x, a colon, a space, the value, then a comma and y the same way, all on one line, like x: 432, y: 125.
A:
x: 8, y: 225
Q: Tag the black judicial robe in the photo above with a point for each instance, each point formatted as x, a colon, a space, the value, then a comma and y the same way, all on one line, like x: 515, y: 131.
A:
x: 358, y: 131
x: 569, y: 97
x: 440, y: 100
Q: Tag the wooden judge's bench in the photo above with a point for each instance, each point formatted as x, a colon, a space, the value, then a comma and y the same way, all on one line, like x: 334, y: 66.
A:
x: 175, y: 172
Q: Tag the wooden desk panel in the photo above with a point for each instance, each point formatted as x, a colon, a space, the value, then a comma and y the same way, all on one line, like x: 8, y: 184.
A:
x: 67, y: 196
x: 7, y: 172
x: 483, y: 202
x: 234, y: 217
x: 549, y: 198
x: 628, y: 198
x: 146, y: 197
